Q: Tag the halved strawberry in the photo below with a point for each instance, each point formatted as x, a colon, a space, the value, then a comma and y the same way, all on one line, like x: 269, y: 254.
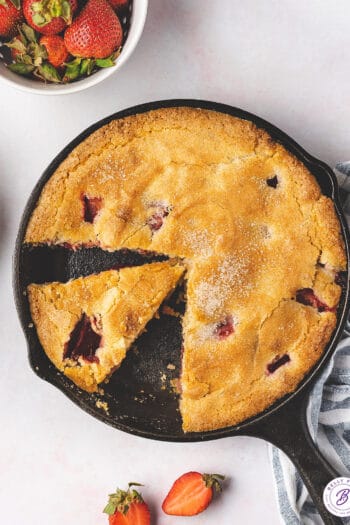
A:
x: 10, y: 16
x: 49, y: 17
x: 126, y: 507
x: 191, y: 494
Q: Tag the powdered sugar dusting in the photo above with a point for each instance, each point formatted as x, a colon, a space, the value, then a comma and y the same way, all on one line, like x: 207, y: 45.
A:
x: 205, y: 332
x: 211, y: 294
x: 110, y: 170
x: 208, y: 297
x: 200, y: 242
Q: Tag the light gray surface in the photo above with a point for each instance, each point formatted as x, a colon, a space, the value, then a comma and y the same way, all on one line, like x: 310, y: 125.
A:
x: 286, y: 61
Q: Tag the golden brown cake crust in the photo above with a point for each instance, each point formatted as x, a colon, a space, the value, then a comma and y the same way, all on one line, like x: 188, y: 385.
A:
x: 117, y: 305
x: 261, y: 244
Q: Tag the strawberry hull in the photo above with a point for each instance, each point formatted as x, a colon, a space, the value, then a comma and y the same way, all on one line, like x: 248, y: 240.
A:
x: 54, y: 26
x: 127, y: 507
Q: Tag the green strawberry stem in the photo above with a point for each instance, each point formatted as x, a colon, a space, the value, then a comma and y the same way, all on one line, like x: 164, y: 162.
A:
x: 27, y: 33
x: 31, y: 57
x: 121, y: 500
x: 48, y: 72
x: 21, y: 69
x: 15, y: 3
x: 79, y: 67
x: 45, y: 10
x: 213, y: 481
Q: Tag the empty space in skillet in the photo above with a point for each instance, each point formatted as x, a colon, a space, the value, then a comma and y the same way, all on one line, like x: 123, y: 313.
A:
x: 139, y: 397
x: 141, y: 393
x: 41, y: 264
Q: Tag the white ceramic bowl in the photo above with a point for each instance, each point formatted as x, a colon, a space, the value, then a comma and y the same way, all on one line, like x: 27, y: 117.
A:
x: 137, y: 23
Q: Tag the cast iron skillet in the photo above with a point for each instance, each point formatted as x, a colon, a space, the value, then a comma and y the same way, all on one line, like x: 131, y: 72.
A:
x: 138, y: 395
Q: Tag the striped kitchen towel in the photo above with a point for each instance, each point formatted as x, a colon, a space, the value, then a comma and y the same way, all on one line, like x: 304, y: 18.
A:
x: 328, y: 416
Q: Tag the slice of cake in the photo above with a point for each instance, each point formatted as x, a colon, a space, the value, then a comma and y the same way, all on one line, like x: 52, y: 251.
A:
x: 87, y: 325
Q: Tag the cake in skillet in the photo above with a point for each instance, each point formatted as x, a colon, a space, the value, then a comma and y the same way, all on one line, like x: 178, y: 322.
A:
x: 261, y: 245
x: 87, y: 325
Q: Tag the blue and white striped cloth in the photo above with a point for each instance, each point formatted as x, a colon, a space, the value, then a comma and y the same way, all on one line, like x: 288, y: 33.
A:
x: 329, y: 421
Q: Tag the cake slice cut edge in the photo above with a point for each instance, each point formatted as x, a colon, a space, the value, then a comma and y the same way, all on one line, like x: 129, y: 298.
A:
x: 87, y: 325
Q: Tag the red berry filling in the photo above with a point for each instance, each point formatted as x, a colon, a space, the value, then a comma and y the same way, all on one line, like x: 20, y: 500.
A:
x: 277, y: 363
x: 68, y: 246
x: 78, y: 246
x: 91, y: 207
x: 272, y: 182
x: 224, y: 328
x: 307, y: 296
x: 83, y: 342
x: 155, y: 221
x: 340, y: 279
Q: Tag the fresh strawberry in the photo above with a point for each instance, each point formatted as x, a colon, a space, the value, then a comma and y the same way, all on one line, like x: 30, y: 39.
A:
x: 31, y: 57
x: 49, y: 17
x: 95, y: 33
x: 137, y: 514
x: 10, y: 16
x: 119, y: 5
x: 117, y: 519
x: 191, y: 494
x: 57, y: 53
x: 126, y: 507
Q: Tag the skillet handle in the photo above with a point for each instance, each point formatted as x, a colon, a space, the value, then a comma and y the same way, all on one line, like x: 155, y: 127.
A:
x: 287, y: 429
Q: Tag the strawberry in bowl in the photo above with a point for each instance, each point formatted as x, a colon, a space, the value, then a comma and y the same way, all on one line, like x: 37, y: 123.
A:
x: 10, y: 16
x: 49, y: 17
x: 60, y: 42
x: 96, y: 32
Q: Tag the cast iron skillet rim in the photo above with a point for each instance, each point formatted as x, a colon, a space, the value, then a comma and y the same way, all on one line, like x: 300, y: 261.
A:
x: 311, y: 162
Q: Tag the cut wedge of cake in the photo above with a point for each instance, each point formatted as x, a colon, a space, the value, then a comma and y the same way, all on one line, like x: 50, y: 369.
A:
x: 87, y: 325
